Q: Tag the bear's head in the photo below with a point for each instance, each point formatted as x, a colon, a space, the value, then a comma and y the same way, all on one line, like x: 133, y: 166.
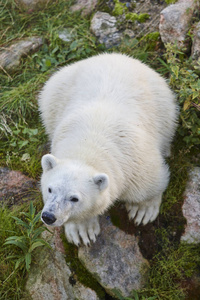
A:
x: 72, y: 191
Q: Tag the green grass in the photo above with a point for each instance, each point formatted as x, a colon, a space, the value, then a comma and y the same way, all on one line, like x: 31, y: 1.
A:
x: 19, y: 90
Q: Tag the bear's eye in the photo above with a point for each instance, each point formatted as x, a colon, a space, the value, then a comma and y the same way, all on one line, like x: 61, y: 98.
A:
x: 49, y: 190
x: 74, y: 199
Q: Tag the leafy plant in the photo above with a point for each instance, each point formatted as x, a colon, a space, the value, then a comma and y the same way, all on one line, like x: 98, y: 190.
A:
x: 29, y: 240
x: 22, y: 136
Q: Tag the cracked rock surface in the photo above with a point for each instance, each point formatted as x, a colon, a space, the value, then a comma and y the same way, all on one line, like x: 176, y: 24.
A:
x: 115, y: 260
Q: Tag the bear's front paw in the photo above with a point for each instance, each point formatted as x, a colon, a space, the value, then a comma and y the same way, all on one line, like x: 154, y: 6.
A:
x: 144, y: 212
x: 84, y: 232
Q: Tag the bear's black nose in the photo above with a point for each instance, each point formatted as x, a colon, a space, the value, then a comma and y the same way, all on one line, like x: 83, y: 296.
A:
x: 48, y: 218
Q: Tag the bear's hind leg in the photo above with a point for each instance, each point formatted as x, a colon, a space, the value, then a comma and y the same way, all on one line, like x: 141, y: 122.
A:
x: 144, y: 212
x: 82, y: 231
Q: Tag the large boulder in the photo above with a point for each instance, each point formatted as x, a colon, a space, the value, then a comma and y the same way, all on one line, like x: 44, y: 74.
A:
x: 115, y: 260
x: 50, y: 278
x: 191, y: 208
x: 175, y: 21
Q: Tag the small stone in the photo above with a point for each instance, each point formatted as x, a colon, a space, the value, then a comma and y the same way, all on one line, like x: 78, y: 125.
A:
x: 191, y: 208
x: 26, y: 157
x: 103, y: 26
x: 10, y: 58
x: 115, y: 260
x: 87, y: 6
x: 67, y: 34
x: 175, y: 21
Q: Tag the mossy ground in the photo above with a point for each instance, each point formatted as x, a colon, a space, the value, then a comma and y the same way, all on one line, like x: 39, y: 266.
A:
x: 78, y: 271
x: 22, y: 135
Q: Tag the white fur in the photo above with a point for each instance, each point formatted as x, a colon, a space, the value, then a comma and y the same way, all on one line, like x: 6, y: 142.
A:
x: 110, y: 116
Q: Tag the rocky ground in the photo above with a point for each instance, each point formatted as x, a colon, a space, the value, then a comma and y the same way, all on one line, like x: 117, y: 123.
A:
x: 119, y: 260
x: 173, y: 23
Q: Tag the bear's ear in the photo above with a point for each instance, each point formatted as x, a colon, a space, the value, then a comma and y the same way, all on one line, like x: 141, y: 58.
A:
x: 48, y: 162
x: 101, y: 180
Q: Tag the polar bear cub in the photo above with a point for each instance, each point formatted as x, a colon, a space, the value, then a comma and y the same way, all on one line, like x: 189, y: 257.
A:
x: 110, y: 119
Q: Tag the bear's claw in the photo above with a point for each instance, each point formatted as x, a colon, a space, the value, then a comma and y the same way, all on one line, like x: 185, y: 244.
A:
x: 84, y: 232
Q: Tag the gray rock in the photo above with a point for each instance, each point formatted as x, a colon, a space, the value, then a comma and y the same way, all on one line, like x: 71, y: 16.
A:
x: 191, y: 208
x: 103, y: 26
x: 175, y: 21
x: 115, y: 260
x: 32, y: 5
x: 87, y: 6
x: 49, y: 278
x: 196, y: 42
x: 10, y: 58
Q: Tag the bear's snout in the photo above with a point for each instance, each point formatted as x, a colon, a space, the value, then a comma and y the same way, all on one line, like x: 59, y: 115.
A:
x: 48, y: 218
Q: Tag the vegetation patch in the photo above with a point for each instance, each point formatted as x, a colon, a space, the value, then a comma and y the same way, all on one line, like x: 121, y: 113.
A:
x: 29, y: 240
x: 12, y: 276
x: 185, y: 81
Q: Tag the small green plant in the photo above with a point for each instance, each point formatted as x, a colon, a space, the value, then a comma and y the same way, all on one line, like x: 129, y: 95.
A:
x: 137, y: 17
x: 29, y: 240
x: 119, y: 8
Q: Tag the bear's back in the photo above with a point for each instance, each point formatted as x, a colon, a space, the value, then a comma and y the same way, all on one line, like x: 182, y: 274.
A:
x: 116, y: 81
